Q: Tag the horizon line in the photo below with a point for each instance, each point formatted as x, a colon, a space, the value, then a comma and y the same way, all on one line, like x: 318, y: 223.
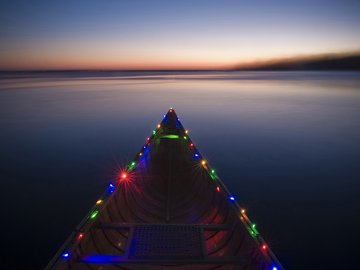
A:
x: 297, y: 62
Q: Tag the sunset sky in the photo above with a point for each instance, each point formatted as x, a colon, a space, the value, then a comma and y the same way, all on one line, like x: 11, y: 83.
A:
x: 74, y: 34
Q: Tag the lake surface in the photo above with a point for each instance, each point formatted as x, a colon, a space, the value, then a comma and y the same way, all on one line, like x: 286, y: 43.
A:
x: 287, y: 144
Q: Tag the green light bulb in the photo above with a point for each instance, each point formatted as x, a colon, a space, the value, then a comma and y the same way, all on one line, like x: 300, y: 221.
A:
x: 94, y: 214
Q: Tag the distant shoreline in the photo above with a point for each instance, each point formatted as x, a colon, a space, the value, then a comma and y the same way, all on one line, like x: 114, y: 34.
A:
x: 319, y: 63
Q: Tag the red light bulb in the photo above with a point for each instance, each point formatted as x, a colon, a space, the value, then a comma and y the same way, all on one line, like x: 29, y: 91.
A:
x: 81, y: 235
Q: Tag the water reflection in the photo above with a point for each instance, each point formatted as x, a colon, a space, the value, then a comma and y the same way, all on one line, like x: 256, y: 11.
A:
x: 286, y: 143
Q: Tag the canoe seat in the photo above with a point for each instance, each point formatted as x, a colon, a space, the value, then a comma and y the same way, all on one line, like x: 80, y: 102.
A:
x: 162, y: 243
x: 166, y: 242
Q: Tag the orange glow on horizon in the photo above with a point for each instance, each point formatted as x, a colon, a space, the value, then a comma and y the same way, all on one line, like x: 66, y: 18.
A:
x: 45, y: 60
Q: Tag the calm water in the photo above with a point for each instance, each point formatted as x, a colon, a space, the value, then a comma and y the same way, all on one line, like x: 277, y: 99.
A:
x: 286, y: 143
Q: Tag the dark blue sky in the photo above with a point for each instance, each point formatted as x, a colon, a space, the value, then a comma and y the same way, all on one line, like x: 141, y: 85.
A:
x: 171, y: 34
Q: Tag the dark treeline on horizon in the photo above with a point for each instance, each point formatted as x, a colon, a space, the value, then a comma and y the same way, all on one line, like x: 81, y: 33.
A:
x: 351, y: 62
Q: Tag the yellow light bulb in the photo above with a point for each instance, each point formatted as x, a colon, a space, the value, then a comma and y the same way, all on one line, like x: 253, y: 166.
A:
x: 99, y: 202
